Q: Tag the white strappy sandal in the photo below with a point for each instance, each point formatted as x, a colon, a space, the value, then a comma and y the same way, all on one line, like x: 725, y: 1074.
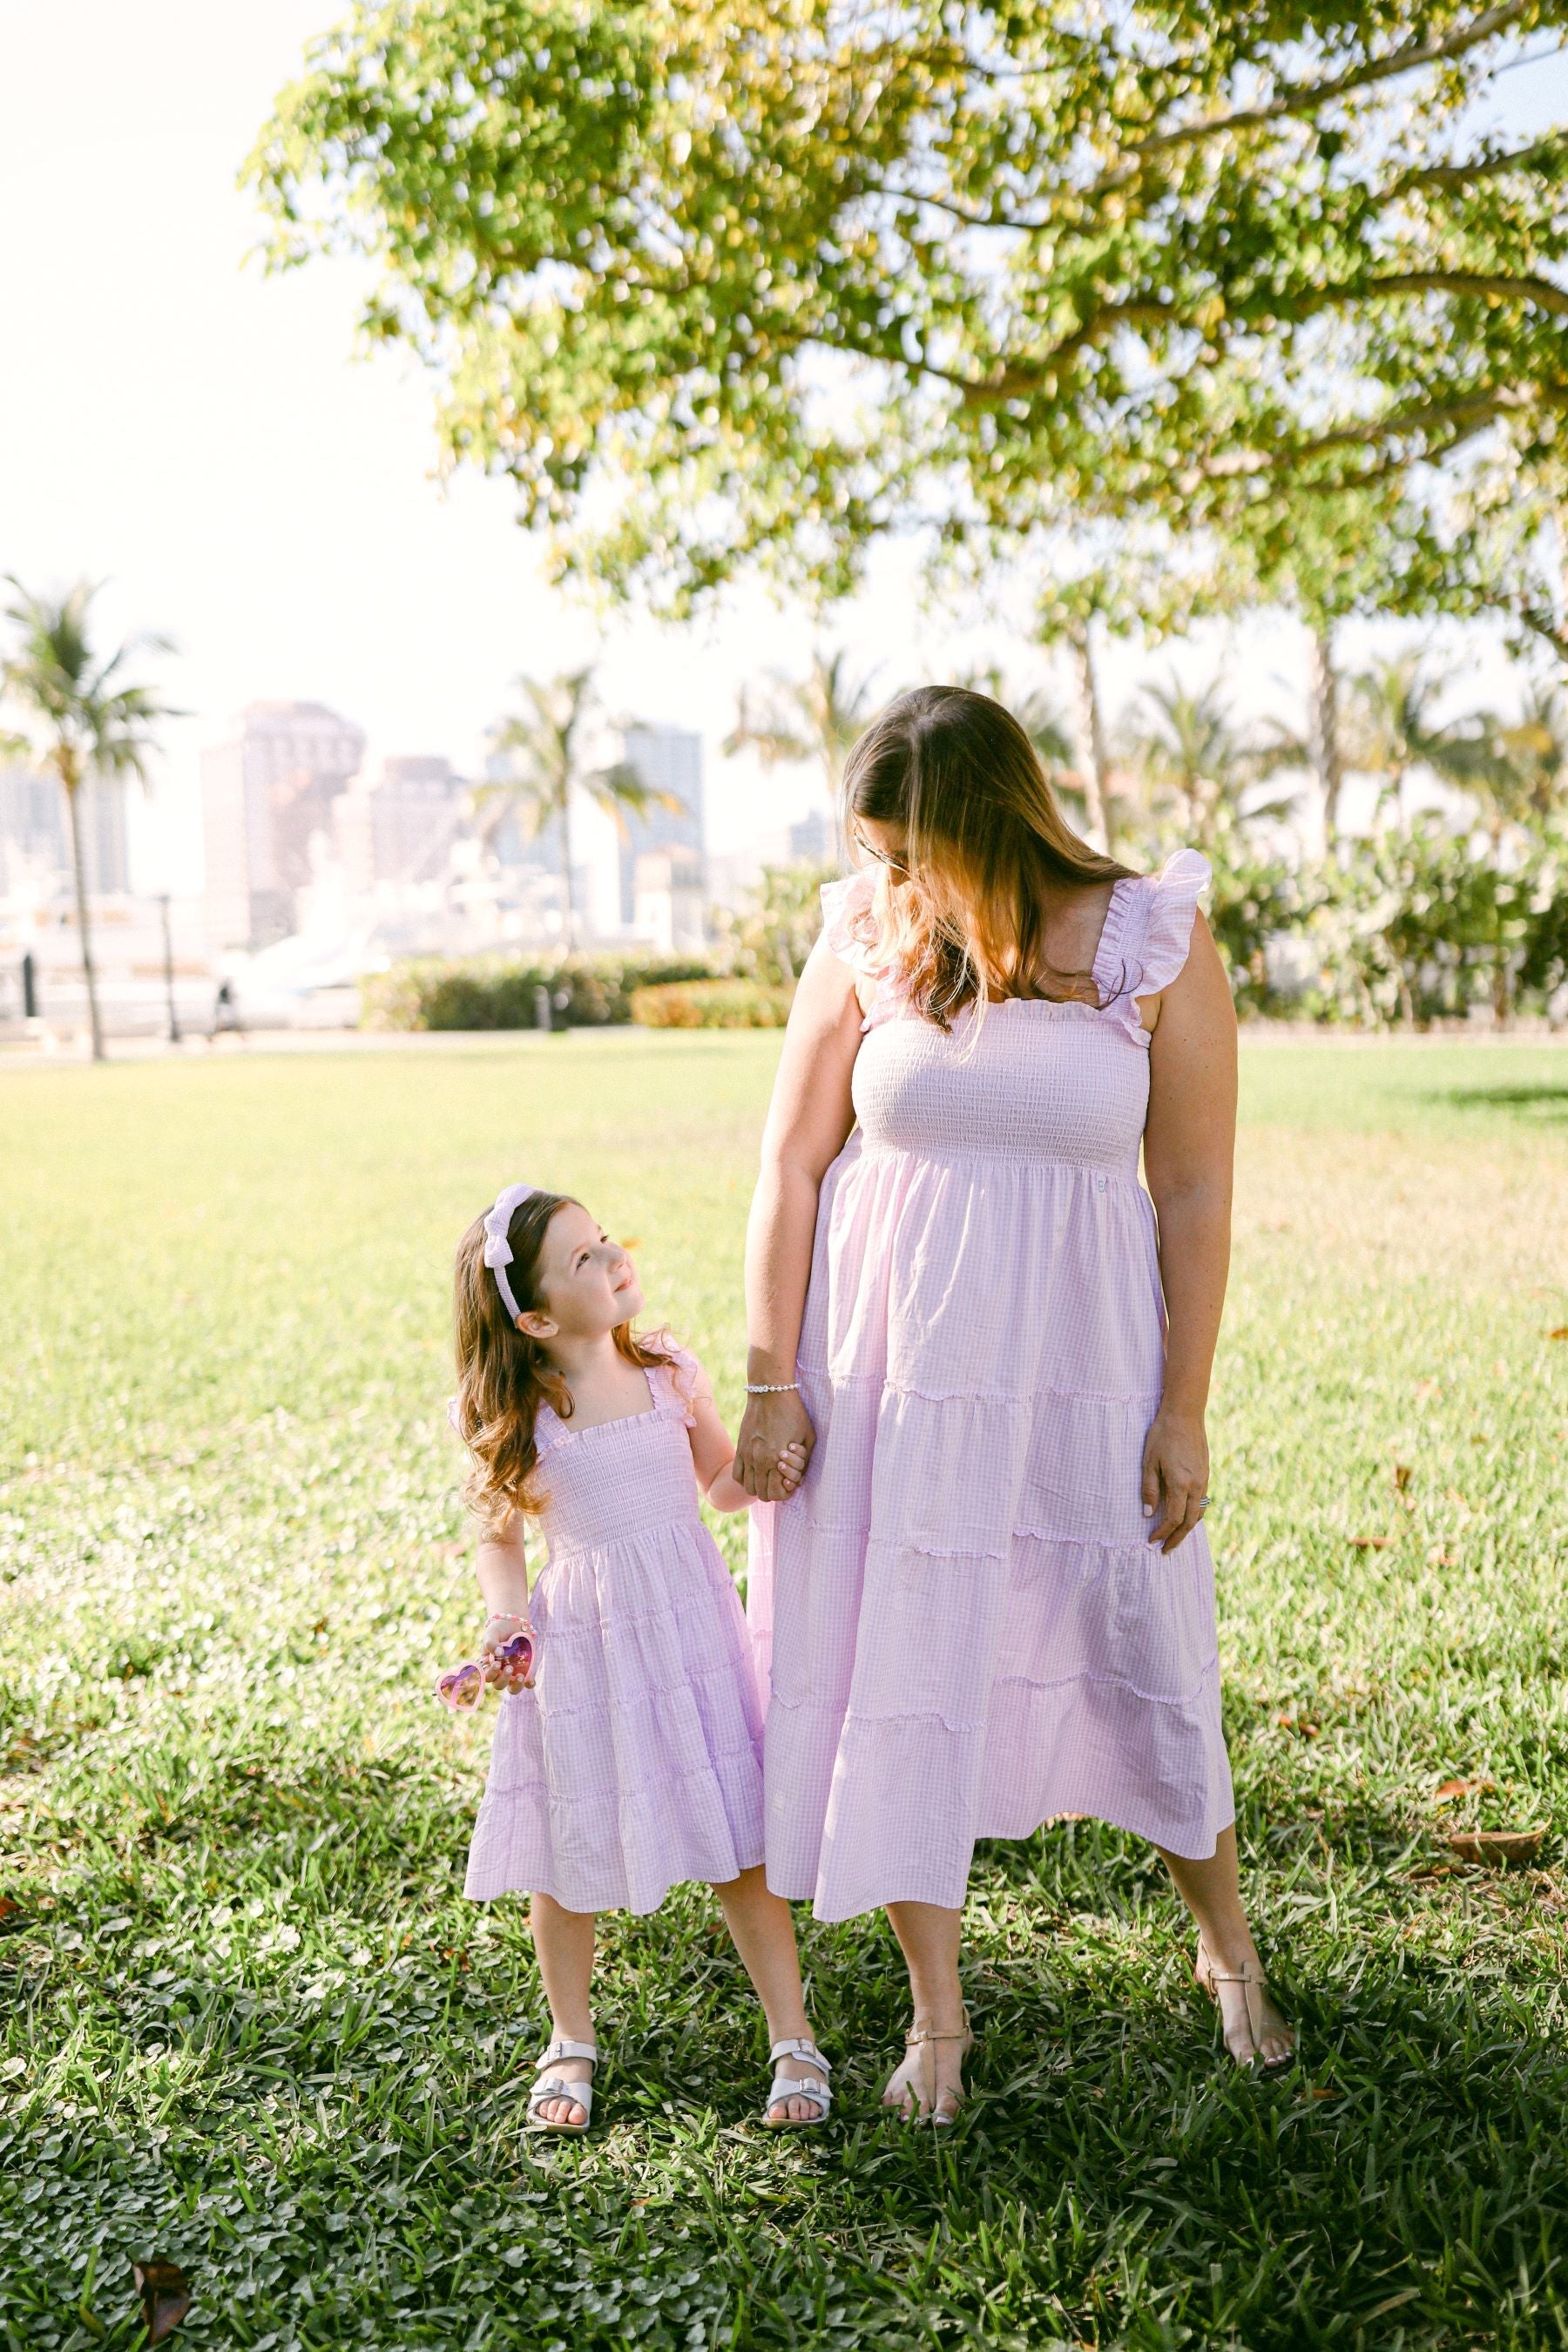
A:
x: 814, y: 2087
x: 552, y: 2086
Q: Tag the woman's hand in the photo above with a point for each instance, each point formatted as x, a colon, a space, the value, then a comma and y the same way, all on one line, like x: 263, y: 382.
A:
x: 1175, y: 1475
x: 770, y: 1426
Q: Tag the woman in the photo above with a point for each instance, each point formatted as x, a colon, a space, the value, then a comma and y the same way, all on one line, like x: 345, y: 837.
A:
x: 993, y: 1601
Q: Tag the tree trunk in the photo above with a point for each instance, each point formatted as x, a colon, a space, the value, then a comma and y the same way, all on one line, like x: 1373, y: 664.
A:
x: 1326, y: 733
x: 1092, y: 737
x: 72, y: 793
x: 568, y: 912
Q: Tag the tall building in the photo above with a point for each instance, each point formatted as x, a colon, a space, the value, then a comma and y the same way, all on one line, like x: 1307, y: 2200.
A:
x: 35, y: 847
x: 400, y: 829
x: 264, y: 794
x: 668, y: 759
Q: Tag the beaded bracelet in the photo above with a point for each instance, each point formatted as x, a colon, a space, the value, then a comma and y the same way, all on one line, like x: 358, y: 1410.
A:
x: 771, y: 1388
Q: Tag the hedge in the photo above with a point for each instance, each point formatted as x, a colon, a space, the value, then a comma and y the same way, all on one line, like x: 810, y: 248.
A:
x: 712, y: 1004
x: 499, y: 992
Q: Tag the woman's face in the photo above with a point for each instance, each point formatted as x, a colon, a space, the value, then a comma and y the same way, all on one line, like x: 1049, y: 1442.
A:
x: 885, y: 845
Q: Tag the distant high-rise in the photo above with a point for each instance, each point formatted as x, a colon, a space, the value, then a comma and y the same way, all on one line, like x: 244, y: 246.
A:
x: 35, y: 848
x: 400, y: 828
x: 668, y: 759
x: 265, y: 792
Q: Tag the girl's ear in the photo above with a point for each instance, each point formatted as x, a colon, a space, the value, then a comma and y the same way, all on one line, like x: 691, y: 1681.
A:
x: 537, y: 1325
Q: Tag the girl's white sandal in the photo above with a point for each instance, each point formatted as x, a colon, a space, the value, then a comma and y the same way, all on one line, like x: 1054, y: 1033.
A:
x: 814, y: 2087
x: 550, y: 2086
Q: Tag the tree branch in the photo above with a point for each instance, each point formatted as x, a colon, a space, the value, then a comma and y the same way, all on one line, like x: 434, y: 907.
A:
x: 1303, y: 97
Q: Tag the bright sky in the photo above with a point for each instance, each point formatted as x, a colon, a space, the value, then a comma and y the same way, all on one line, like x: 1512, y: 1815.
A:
x: 203, y: 438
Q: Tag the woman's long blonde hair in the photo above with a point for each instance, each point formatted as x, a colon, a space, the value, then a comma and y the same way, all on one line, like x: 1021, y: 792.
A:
x: 503, y: 1375
x: 987, y: 848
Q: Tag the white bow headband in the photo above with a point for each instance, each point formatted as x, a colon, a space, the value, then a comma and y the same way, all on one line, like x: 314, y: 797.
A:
x: 498, y: 1249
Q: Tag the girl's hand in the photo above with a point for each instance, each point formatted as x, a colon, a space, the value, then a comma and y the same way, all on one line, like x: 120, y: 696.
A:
x: 504, y: 1672
x: 775, y: 1431
x: 1175, y: 1475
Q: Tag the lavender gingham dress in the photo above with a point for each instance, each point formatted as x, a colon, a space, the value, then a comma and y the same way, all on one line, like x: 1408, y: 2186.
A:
x: 636, y: 1759
x: 962, y: 1623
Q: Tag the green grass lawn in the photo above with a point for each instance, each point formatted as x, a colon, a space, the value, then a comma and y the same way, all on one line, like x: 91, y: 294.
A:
x: 246, y: 2018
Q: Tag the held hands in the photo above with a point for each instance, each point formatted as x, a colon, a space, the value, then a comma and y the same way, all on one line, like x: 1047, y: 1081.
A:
x: 774, y: 1447
x: 1176, y: 1476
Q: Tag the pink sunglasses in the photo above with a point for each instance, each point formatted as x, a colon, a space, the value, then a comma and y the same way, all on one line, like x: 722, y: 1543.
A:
x: 511, y: 1664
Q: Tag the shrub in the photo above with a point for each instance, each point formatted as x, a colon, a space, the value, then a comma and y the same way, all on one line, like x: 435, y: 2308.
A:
x: 497, y: 992
x: 712, y: 1004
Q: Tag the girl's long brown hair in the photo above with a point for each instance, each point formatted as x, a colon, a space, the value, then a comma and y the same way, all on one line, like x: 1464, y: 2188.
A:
x: 988, y: 847
x: 503, y: 1376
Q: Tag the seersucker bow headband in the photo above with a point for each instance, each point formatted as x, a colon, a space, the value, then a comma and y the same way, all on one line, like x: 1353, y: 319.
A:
x: 498, y: 1249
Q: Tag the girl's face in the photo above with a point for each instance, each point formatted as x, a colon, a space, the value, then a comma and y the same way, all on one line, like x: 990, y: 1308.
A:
x: 586, y: 1281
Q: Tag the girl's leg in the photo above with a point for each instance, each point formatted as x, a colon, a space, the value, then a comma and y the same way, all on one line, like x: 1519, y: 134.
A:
x: 1211, y: 1893
x: 930, y: 2080
x: 564, y: 1943
x: 764, y: 1930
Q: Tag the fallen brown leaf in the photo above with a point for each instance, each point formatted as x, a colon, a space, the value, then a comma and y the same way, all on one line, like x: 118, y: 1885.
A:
x: 7, y: 1904
x: 1561, y: 1332
x: 1498, y: 1847
x: 1303, y: 1724
x: 165, y: 2294
x: 1462, y: 1789
x: 1322, y: 2090
x: 1371, y: 1543
x: 1403, y: 1473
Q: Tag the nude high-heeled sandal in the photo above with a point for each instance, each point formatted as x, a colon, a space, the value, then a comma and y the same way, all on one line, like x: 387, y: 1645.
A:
x: 1253, y: 1985
x: 934, y: 2115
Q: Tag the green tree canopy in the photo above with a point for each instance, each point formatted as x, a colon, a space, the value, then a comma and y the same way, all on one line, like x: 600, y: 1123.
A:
x: 763, y: 278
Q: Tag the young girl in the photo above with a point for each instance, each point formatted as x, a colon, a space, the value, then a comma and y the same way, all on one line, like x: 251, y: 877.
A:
x: 630, y: 1758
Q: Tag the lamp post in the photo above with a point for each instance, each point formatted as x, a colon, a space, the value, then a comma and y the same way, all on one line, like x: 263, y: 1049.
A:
x: 169, y: 969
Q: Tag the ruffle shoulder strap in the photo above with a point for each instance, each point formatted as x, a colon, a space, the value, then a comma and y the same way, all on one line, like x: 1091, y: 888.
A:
x: 847, y: 920
x: 1171, y: 899
x: 674, y: 1383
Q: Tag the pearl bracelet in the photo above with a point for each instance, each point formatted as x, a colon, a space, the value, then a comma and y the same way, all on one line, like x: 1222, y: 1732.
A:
x: 771, y: 1388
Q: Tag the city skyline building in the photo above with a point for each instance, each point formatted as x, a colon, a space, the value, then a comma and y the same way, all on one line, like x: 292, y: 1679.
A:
x: 35, y: 844
x: 267, y: 794
x: 396, y: 831
x: 668, y: 759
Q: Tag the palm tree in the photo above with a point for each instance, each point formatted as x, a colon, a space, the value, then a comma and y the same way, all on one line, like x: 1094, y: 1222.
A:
x: 90, y: 724
x: 1526, y: 781
x: 815, y: 718
x: 1392, y: 728
x: 542, y: 744
x: 1188, y: 748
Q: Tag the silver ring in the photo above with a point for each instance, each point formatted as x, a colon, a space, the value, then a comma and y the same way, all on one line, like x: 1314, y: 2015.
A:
x: 1203, y: 1502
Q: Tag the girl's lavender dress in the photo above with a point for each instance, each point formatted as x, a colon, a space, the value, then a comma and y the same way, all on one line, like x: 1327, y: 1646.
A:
x: 636, y: 1759
x: 966, y: 1628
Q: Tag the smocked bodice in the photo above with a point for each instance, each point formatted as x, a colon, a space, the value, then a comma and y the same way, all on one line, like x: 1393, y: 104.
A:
x: 1054, y: 1082
x: 620, y: 1478
x: 1024, y: 1080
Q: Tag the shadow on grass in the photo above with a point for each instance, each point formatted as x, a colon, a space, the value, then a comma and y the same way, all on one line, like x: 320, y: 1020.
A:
x: 302, y: 2083
x: 1537, y: 1105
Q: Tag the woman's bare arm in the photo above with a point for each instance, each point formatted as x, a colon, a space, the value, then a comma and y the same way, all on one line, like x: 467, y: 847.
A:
x: 808, y: 1120
x: 1188, y: 1153
x: 713, y: 1453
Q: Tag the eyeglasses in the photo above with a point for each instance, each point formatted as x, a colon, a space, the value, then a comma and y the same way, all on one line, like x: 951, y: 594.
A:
x: 894, y: 864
